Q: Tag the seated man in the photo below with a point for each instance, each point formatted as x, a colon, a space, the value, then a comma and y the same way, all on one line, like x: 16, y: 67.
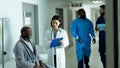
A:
x: 25, y: 51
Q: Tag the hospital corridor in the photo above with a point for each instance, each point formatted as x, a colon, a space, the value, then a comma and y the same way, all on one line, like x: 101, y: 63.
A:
x: 39, y: 16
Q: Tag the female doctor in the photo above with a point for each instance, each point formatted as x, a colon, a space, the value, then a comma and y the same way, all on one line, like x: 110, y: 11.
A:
x: 56, y: 55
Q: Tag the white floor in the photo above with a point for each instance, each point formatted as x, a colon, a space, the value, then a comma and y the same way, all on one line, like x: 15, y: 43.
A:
x: 71, y: 61
x: 9, y: 64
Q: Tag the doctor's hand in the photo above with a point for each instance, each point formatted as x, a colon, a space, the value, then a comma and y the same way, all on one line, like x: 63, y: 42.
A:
x: 79, y: 40
x: 61, y: 42
x: 94, y: 40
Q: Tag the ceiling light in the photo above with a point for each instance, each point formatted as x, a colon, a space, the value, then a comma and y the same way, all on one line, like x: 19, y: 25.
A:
x: 94, y: 2
x: 101, y: 2
x: 97, y: 2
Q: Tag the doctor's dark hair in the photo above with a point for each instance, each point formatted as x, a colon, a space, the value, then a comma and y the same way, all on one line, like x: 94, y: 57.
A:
x: 24, y: 29
x: 56, y: 17
x: 102, y: 6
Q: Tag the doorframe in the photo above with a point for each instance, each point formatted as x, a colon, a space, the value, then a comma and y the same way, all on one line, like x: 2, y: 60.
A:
x: 112, y: 34
x: 116, y: 48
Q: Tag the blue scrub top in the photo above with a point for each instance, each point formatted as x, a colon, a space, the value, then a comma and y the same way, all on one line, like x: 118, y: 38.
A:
x: 82, y: 28
x: 101, y: 20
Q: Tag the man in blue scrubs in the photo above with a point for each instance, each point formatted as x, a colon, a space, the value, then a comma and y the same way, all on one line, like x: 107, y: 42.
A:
x: 82, y: 29
x: 101, y: 21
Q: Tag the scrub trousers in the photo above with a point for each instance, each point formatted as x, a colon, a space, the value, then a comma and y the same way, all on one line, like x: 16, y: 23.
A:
x: 84, y: 60
x: 55, y: 61
x: 102, y: 49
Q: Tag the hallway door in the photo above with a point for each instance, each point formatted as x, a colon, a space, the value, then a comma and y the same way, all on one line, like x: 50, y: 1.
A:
x: 30, y: 18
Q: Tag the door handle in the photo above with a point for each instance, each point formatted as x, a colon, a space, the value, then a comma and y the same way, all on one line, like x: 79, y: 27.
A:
x: 4, y: 53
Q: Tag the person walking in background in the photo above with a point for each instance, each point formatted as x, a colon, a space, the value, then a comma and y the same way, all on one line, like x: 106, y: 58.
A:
x: 57, y: 40
x: 81, y: 29
x: 100, y: 26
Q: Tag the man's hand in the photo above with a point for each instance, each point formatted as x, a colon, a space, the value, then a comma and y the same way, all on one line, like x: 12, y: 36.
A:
x: 41, y: 67
x: 97, y: 28
x: 41, y: 64
x: 36, y: 66
x: 94, y: 41
x: 79, y: 40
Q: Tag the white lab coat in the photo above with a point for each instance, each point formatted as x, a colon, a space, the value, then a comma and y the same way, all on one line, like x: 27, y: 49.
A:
x: 60, y: 51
